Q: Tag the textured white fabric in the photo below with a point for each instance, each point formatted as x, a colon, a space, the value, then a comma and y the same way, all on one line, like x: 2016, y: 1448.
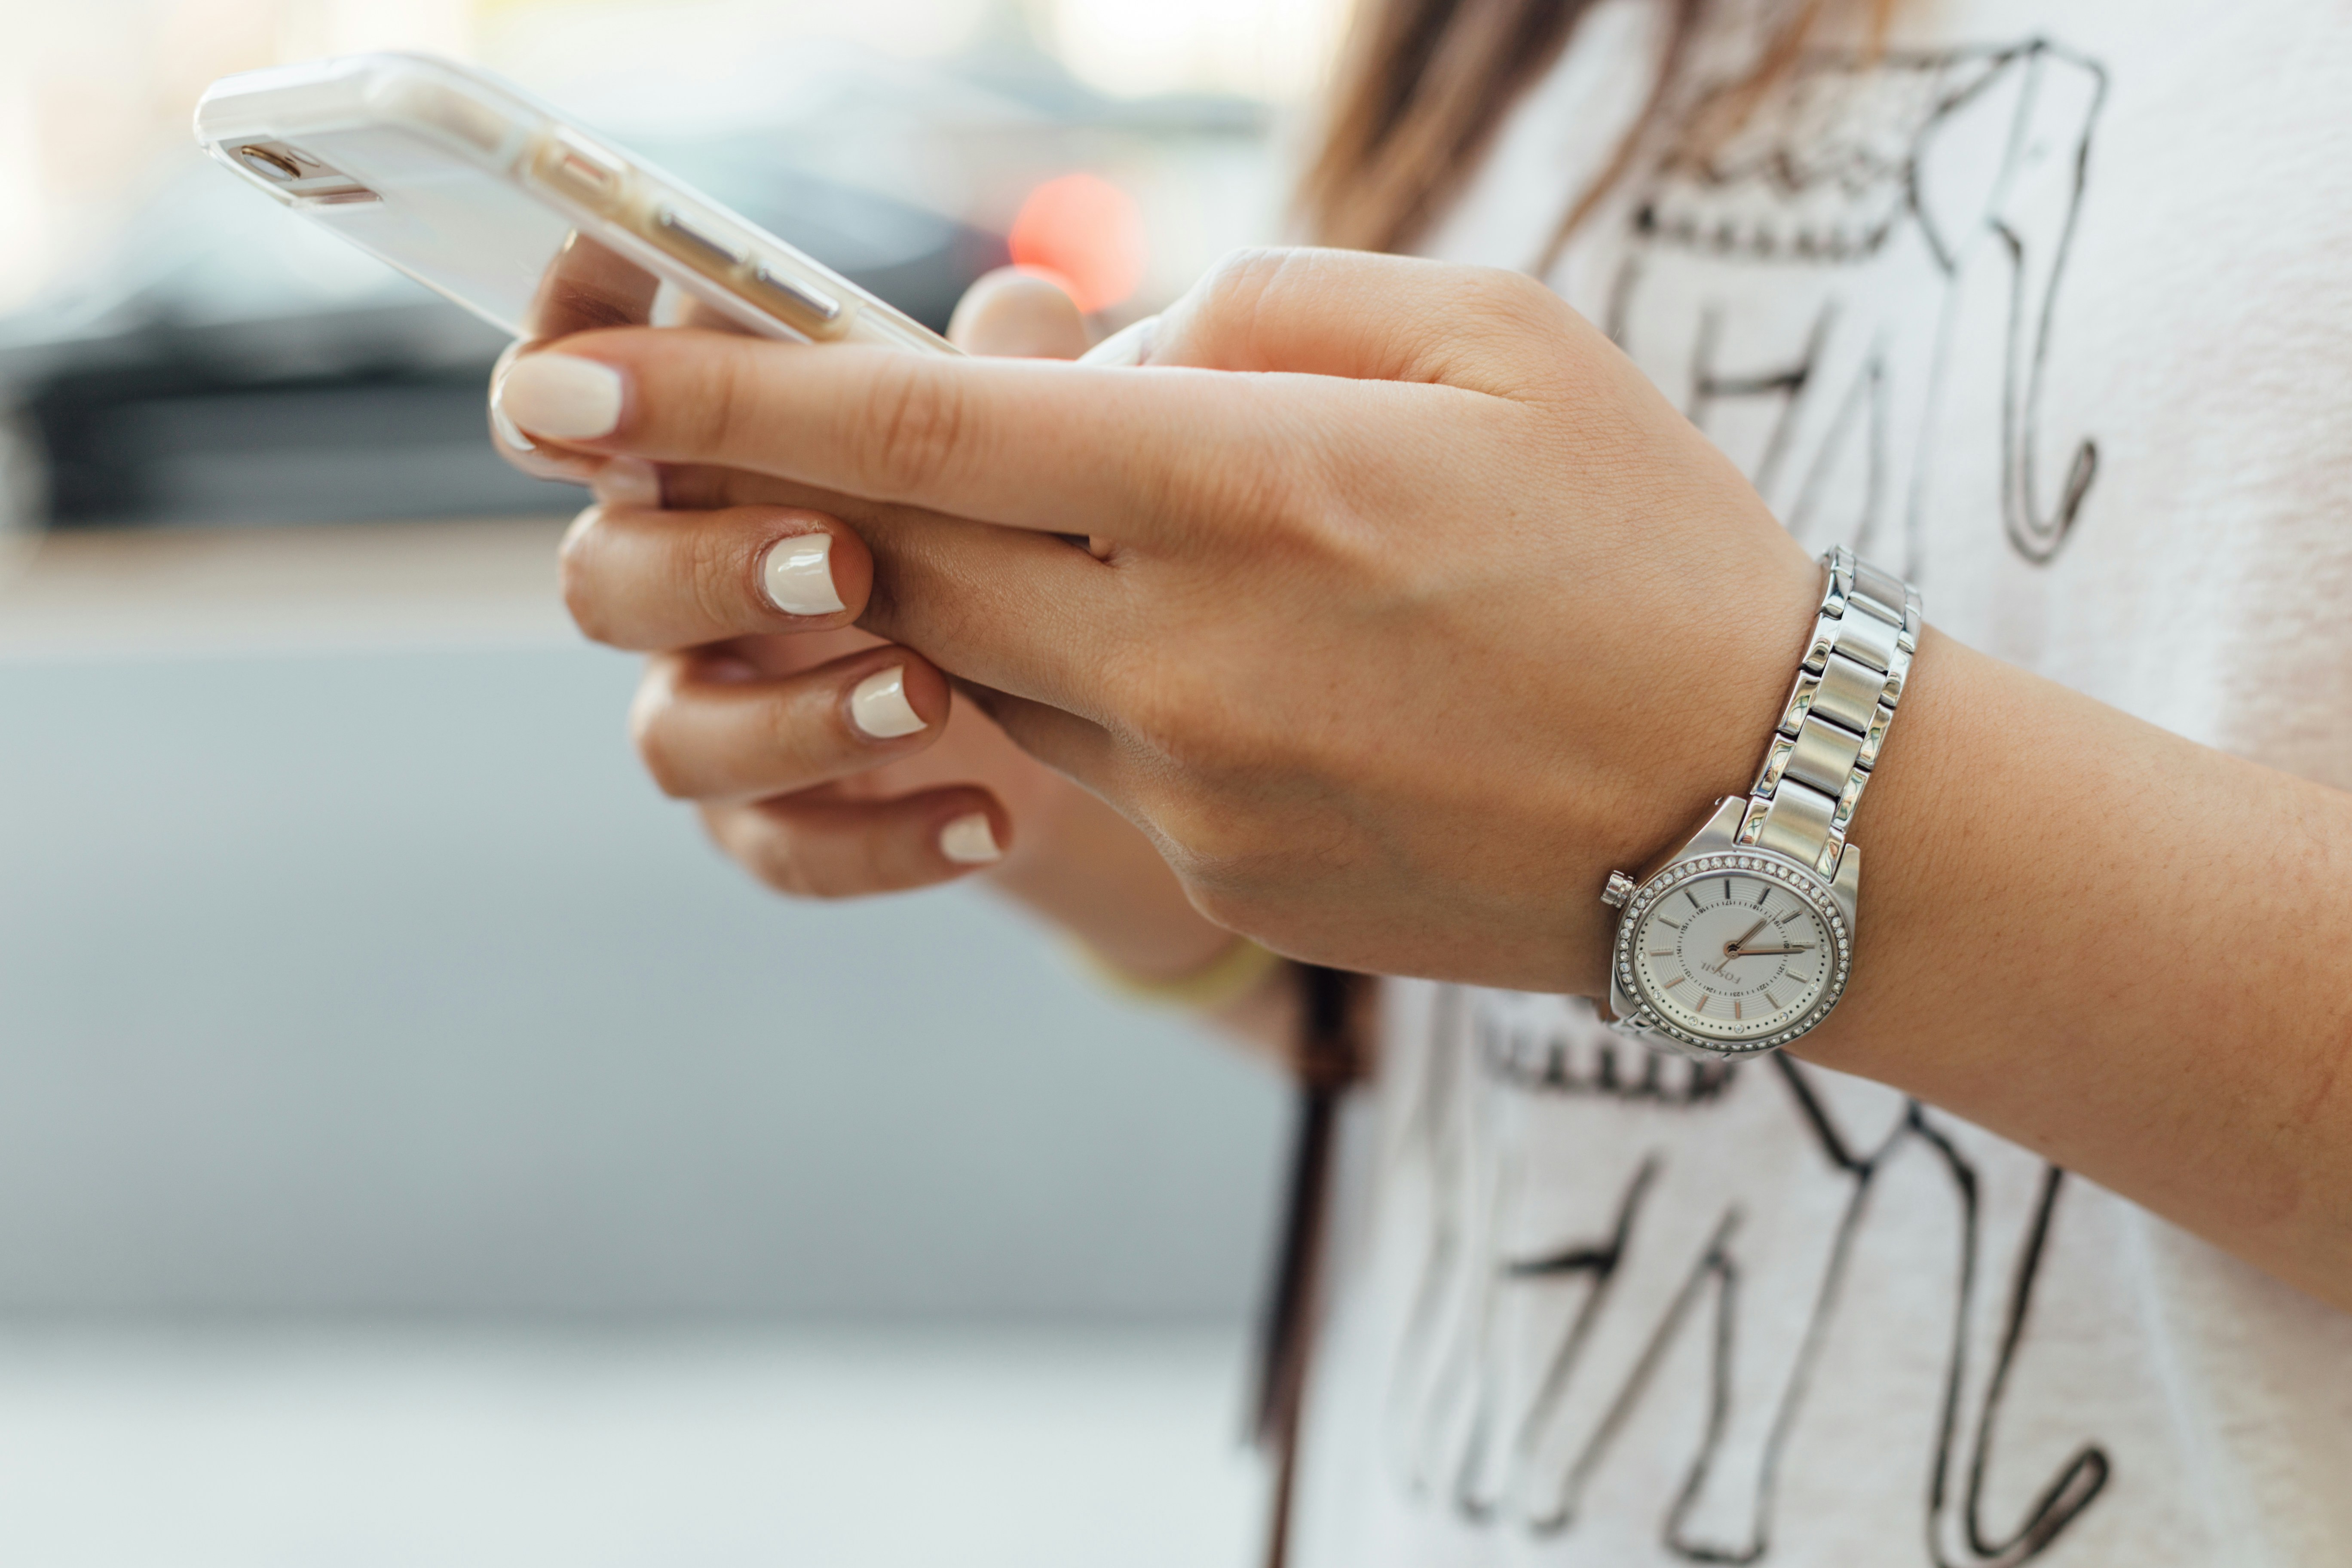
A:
x: 2050, y: 308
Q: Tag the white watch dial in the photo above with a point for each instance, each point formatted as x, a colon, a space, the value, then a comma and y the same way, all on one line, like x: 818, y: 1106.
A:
x: 1732, y: 955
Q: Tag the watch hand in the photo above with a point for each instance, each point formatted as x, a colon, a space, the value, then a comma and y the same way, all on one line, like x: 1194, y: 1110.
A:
x: 1772, y: 952
x: 1731, y: 948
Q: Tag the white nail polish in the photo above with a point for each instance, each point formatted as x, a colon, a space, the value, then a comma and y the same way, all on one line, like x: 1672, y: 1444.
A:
x: 970, y: 841
x: 630, y: 482
x: 562, y: 396
x: 509, y: 435
x: 798, y: 575
x: 1130, y: 345
x: 879, y: 707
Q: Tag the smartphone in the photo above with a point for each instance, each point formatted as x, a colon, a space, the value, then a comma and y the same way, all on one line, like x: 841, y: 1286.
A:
x: 484, y: 195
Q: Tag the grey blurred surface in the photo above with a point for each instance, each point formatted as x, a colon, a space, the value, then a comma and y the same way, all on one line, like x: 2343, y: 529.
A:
x: 382, y: 984
x: 466, y: 1449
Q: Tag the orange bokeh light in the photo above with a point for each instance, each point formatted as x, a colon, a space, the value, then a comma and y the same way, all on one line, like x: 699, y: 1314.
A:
x: 1087, y: 232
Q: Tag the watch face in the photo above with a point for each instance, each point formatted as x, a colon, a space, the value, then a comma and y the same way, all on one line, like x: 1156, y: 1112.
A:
x: 1738, y: 951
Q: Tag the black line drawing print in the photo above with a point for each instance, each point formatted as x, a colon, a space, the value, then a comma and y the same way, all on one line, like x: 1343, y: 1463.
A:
x: 1853, y: 191
x: 1520, y: 1369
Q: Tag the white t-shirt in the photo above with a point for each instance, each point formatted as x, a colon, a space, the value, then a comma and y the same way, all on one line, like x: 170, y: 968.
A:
x: 2049, y: 307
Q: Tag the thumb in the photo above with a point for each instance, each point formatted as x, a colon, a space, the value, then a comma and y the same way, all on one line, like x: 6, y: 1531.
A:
x: 1017, y: 314
x: 1364, y: 316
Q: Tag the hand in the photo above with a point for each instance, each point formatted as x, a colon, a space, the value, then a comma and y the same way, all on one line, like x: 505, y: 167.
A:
x: 758, y: 724
x: 1423, y: 611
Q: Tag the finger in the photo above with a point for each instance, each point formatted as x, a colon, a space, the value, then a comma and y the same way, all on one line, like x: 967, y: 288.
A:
x: 817, y: 848
x: 549, y: 462
x: 1017, y: 314
x: 1078, y: 748
x: 1060, y: 449
x: 587, y: 286
x: 711, y: 726
x: 707, y: 486
x: 590, y: 285
x: 977, y: 598
x: 1020, y: 612
x: 1368, y: 317
x: 615, y: 480
x: 648, y: 580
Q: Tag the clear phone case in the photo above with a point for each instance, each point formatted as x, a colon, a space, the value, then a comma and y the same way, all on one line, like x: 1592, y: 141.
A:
x: 484, y: 195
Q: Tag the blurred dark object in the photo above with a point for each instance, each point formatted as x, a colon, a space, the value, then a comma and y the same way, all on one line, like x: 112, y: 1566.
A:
x: 230, y: 367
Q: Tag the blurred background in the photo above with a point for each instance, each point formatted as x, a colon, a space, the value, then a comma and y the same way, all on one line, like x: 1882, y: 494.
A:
x: 416, y: 1146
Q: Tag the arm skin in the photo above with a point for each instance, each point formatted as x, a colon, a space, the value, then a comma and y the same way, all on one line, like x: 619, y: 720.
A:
x: 2126, y: 951
x: 1424, y: 611
x: 2164, y: 934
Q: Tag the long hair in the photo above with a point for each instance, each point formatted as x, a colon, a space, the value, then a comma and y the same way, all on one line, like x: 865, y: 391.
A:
x: 1425, y: 85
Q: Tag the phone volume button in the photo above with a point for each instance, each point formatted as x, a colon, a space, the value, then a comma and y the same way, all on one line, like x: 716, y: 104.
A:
x: 804, y: 300
x: 693, y: 239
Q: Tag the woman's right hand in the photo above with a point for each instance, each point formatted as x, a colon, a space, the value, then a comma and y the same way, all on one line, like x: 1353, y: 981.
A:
x: 826, y: 762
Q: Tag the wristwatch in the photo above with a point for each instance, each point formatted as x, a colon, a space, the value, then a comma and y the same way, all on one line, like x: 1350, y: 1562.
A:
x: 1740, y: 940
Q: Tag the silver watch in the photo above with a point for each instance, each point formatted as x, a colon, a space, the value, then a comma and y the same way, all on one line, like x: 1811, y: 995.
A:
x: 1740, y: 940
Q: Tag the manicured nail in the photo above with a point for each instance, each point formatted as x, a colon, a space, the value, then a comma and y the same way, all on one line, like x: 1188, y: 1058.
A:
x: 628, y: 482
x: 798, y: 575
x: 1130, y: 345
x: 562, y: 396
x: 970, y: 841
x: 509, y: 433
x: 879, y: 707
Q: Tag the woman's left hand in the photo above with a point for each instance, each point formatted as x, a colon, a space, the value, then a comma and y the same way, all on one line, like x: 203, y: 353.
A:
x: 1421, y: 609
x: 1424, y: 611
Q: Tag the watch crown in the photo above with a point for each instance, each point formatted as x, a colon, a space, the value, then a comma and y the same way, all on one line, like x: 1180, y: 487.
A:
x: 1620, y: 888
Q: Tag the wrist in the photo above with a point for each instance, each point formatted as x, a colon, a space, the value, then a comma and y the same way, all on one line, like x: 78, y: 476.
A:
x: 1729, y: 686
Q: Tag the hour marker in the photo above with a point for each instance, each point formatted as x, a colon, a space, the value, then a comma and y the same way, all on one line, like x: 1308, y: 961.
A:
x: 1692, y: 898
x: 1668, y: 923
x: 1677, y: 980
x: 1735, y: 1010
x: 1703, y: 1000
x: 1762, y: 895
x: 1771, y: 1001
x: 1726, y: 889
x: 1661, y: 952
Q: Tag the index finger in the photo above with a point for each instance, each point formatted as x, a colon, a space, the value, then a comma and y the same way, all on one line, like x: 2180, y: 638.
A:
x: 1142, y: 456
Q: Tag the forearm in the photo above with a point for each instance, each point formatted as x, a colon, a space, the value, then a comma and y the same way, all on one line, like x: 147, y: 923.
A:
x: 2125, y: 951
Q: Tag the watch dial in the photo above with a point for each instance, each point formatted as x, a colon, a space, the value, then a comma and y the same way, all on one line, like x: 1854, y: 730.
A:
x: 1732, y: 955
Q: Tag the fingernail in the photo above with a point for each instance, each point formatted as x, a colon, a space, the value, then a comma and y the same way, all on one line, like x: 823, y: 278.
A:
x: 798, y: 575
x: 879, y: 707
x: 562, y: 396
x: 628, y: 482
x: 1130, y: 345
x: 969, y: 840
x: 509, y: 433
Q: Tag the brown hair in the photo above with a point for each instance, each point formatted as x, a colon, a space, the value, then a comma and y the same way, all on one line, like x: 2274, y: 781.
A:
x: 1425, y: 84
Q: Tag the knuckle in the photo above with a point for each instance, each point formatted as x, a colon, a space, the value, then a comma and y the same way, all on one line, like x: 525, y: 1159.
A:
x: 798, y: 742
x: 656, y: 739
x: 784, y: 872
x: 711, y: 579
x: 1239, y: 281
x: 577, y: 581
x: 714, y: 407
x: 1512, y: 301
x: 777, y: 857
x: 919, y: 421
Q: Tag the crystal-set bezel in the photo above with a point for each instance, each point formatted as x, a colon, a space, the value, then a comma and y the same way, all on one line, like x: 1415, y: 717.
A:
x: 1798, y: 879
